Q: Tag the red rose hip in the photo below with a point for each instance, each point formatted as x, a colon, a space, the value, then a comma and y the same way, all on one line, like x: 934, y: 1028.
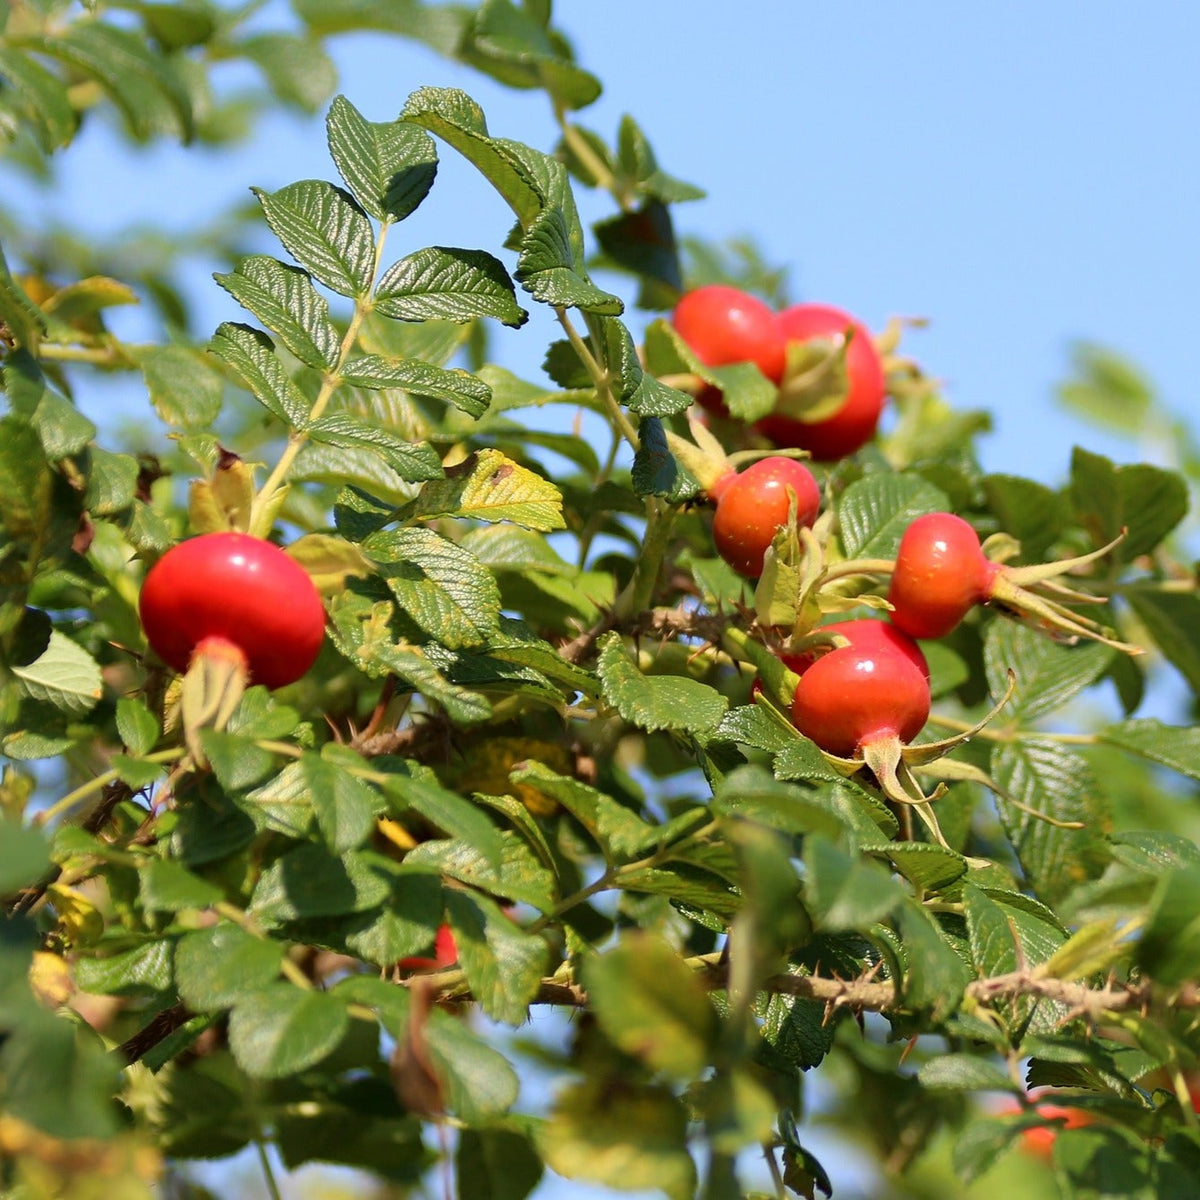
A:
x: 236, y: 590
x: 852, y: 425
x: 752, y: 507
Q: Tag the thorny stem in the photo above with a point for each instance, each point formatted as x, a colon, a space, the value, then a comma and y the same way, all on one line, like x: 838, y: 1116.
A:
x: 262, y: 506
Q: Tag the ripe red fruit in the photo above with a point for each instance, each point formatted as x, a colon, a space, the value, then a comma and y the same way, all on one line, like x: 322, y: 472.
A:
x: 753, y: 506
x: 940, y: 575
x: 238, y: 591
x: 724, y: 325
x: 853, y: 425
x: 444, y: 950
x: 858, y: 695
x: 1039, y: 1140
x: 868, y: 633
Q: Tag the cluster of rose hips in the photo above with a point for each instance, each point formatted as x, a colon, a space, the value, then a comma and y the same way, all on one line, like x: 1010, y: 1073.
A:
x: 829, y: 374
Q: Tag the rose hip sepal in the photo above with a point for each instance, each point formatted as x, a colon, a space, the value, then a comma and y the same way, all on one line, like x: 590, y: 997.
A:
x: 229, y: 609
x: 852, y: 379
x: 754, y: 505
x: 941, y: 573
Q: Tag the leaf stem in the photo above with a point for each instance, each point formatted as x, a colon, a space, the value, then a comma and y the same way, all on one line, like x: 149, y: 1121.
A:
x: 601, y: 379
x: 264, y: 1161
x: 97, y: 784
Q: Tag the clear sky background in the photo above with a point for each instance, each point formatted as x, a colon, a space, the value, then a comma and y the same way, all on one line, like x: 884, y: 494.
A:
x: 1021, y: 174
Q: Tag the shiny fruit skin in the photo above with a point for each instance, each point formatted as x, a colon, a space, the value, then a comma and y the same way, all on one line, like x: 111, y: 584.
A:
x: 753, y: 507
x: 853, y: 425
x: 866, y: 633
x: 940, y: 575
x: 854, y: 696
x: 724, y: 325
x: 240, y: 589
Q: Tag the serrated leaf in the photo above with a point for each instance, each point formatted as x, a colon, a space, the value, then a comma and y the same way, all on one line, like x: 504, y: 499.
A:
x: 137, y: 726
x: 454, y: 117
x: 547, y: 272
x: 215, y: 967
x: 1144, y: 501
x: 654, y: 702
x: 447, y: 283
x: 184, y: 388
x: 64, y: 675
x: 519, y: 878
x: 284, y: 1029
x: 934, y: 975
x: 875, y: 511
x: 965, y: 1073
x: 842, y: 892
x: 651, y: 1006
x: 449, y: 594
x: 325, y: 231
x: 754, y: 792
x: 310, y: 882
x: 503, y: 964
x: 640, y: 392
x: 465, y: 391
x: 147, y: 966
x: 345, y: 806
x: 145, y: 86
x: 389, y: 167
x: 1048, y: 674
x: 414, y: 462
x: 479, y: 1082
x: 656, y: 471
x: 1173, y: 620
x: 284, y: 300
x: 250, y: 354
x: 1174, y: 746
x: 43, y: 97
x: 166, y: 886
x: 1055, y: 780
x: 489, y: 486
x: 298, y: 69
x: 928, y: 867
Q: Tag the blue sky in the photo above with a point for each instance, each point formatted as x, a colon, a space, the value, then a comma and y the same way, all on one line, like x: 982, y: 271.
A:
x: 1021, y: 175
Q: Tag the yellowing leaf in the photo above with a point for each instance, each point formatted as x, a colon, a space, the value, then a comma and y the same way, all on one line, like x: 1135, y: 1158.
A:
x: 489, y: 486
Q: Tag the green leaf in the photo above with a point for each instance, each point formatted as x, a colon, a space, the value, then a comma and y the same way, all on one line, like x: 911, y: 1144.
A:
x: 1154, y: 851
x: 1146, y: 502
x: 479, y: 1082
x: 344, y: 806
x: 167, y: 886
x: 1048, y: 673
x: 651, y: 1006
x: 389, y: 167
x: 1055, y: 780
x: 64, y: 675
x: 23, y: 319
x: 752, y: 791
x: 643, y: 242
x: 1174, y: 746
x: 1170, y: 941
x: 449, y: 594
x: 284, y: 300
x: 496, y: 1164
x: 414, y: 462
x: 1031, y: 512
x: 656, y: 471
x: 250, y: 355
x: 137, y: 725
x: 325, y: 231
x: 547, y: 272
x: 454, y: 117
x: 489, y: 486
x: 656, y: 701
x: 1107, y: 388
x: 298, y: 69
x: 965, y: 1073
x: 112, y: 482
x: 620, y: 1134
x: 443, y: 282
x: 465, y: 391
x: 519, y: 877
x: 216, y: 967
x: 237, y: 761
x: 640, y: 391
x: 845, y: 892
x: 24, y: 856
x: 310, y: 882
x: 927, y: 867
x: 875, y: 511
x: 283, y: 1030
x: 406, y: 924
x: 637, y: 159
x: 618, y: 830
x: 145, y: 86
x: 145, y: 967
x: 184, y: 388
x: 934, y: 976
x: 1172, y: 619
x: 503, y: 964
x: 43, y: 97
x: 508, y: 42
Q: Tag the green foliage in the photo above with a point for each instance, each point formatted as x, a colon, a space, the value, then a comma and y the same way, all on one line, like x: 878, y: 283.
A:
x: 531, y: 728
